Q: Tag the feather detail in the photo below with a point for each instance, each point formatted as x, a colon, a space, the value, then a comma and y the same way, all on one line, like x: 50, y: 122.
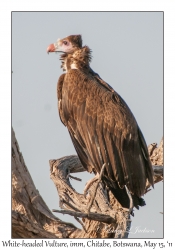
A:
x: 102, y: 128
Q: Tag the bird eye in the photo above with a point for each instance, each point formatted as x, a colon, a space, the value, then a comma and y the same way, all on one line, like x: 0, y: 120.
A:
x: 65, y: 42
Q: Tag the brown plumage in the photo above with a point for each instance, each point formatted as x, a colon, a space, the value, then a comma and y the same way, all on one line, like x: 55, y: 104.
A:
x: 101, y: 125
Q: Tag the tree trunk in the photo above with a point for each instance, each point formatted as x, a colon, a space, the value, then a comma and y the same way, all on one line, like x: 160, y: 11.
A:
x: 31, y: 218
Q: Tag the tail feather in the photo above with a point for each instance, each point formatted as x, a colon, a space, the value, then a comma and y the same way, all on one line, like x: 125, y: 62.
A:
x: 122, y: 196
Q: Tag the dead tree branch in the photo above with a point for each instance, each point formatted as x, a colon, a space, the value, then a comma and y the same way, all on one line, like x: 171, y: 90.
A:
x: 31, y: 218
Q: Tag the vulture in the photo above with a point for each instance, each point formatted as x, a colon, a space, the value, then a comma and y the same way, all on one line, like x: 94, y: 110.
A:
x: 101, y: 125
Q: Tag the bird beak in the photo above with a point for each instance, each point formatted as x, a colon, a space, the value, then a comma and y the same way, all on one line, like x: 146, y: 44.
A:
x: 51, y: 48
x: 54, y: 47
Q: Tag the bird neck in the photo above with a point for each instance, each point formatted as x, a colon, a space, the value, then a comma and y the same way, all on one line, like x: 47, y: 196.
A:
x: 79, y: 59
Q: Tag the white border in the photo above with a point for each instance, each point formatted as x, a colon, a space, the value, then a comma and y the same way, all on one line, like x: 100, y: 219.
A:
x: 5, y: 92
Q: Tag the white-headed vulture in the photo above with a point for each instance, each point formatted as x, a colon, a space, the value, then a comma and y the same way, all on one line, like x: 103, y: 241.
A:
x: 101, y: 125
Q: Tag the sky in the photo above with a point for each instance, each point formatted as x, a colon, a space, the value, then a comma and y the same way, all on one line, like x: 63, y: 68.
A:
x: 127, y: 50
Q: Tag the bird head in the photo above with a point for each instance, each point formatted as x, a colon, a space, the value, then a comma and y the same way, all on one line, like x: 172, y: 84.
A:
x: 74, y: 55
x: 66, y: 45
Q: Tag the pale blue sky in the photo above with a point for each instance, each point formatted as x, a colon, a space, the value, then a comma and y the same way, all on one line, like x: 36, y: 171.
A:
x: 127, y: 49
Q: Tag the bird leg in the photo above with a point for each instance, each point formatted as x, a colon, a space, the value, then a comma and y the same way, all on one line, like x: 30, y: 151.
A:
x: 130, y: 200
x: 95, y: 191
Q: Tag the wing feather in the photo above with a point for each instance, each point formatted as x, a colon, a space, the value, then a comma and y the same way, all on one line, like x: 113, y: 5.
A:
x: 104, y: 130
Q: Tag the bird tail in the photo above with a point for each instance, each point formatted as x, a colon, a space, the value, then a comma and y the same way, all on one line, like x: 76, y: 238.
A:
x: 122, y: 196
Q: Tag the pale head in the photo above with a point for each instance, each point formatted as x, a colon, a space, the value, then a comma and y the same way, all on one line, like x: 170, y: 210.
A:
x: 66, y: 45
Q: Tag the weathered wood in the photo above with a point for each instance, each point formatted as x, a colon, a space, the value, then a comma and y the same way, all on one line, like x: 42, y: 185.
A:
x: 91, y: 216
x: 156, y: 157
x: 31, y: 218
x: 156, y: 153
x: 76, y: 204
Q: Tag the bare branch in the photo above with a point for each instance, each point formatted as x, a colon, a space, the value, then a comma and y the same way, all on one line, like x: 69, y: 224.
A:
x: 31, y: 218
x: 91, y: 216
